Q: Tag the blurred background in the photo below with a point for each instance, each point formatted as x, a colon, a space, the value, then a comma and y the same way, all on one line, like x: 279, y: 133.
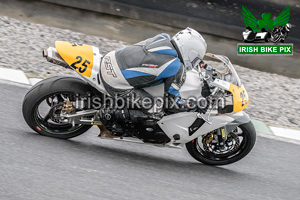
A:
x: 220, y: 22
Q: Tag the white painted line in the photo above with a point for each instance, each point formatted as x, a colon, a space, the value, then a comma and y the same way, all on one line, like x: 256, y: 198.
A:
x: 274, y: 137
x: 13, y: 75
x: 14, y: 83
x: 286, y: 133
x: 33, y: 81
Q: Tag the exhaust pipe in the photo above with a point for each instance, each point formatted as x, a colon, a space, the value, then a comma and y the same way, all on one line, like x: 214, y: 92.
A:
x: 45, y: 53
x: 53, y: 56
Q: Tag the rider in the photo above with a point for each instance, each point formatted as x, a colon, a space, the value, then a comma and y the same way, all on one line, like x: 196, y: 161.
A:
x: 154, y: 61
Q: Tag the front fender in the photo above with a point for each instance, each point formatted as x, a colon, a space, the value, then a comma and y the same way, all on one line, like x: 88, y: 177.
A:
x: 239, y: 118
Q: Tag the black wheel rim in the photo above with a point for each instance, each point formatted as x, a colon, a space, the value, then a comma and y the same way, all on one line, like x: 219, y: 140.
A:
x: 45, y: 121
x: 243, y: 136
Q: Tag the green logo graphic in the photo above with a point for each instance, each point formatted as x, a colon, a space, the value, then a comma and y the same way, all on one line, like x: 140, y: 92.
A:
x: 257, y: 25
x: 266, y: 36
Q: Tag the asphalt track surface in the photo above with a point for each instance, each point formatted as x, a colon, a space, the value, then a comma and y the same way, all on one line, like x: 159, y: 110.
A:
x: 86, y: 167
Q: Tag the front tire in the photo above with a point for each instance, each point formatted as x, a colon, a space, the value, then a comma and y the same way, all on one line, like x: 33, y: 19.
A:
x: 45, y: 89
x: 209, y: 158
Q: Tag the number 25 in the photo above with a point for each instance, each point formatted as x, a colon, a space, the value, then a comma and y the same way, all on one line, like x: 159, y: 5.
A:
x: 84, y: 64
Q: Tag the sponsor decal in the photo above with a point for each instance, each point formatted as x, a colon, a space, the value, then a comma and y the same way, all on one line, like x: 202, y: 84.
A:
x: 109, y: 67
x: 150, y: 65
x: 38, y: 128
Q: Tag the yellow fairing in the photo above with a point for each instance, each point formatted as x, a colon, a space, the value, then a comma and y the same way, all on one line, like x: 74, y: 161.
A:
x: 240, y: 97
x: 78, y: 56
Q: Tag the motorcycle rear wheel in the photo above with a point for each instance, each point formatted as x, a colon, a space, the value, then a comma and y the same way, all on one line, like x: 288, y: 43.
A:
x: 54, y: 87
x: 248, y: 140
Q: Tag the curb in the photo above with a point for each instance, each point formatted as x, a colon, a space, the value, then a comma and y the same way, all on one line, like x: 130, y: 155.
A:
x: 34, y: 81
x: 261, y: 127
x: 286, y: 133
x: 18, y: 76
x: 14, y: 76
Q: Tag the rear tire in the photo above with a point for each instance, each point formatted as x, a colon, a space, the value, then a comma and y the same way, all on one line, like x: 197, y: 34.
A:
x: 245, y: 147
x: 45, y: 88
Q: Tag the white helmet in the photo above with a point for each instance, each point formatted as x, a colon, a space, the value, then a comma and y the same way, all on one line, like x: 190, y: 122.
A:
x: 191, y: 46
x: 288, y: 27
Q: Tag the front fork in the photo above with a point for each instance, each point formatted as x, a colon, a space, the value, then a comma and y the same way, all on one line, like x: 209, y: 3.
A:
x: 222, y: 136
x: 239, y: 118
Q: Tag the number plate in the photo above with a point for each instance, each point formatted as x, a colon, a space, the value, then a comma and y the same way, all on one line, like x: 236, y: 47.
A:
x: 78, y: 56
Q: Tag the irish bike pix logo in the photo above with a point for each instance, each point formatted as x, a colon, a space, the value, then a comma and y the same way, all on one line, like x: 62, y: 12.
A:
x: 266, y: 35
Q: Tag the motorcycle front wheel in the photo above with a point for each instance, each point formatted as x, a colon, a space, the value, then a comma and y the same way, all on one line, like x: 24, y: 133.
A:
x: 238, y: 145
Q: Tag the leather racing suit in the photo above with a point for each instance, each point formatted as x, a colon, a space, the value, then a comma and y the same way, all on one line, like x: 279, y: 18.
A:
x: 148, y: 63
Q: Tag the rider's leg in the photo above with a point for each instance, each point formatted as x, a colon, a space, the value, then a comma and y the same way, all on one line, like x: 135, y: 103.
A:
x: 173, y: 84
x: 140, y: 99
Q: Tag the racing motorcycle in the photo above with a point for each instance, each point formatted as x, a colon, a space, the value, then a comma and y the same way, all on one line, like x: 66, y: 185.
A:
x: 221, y: 135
